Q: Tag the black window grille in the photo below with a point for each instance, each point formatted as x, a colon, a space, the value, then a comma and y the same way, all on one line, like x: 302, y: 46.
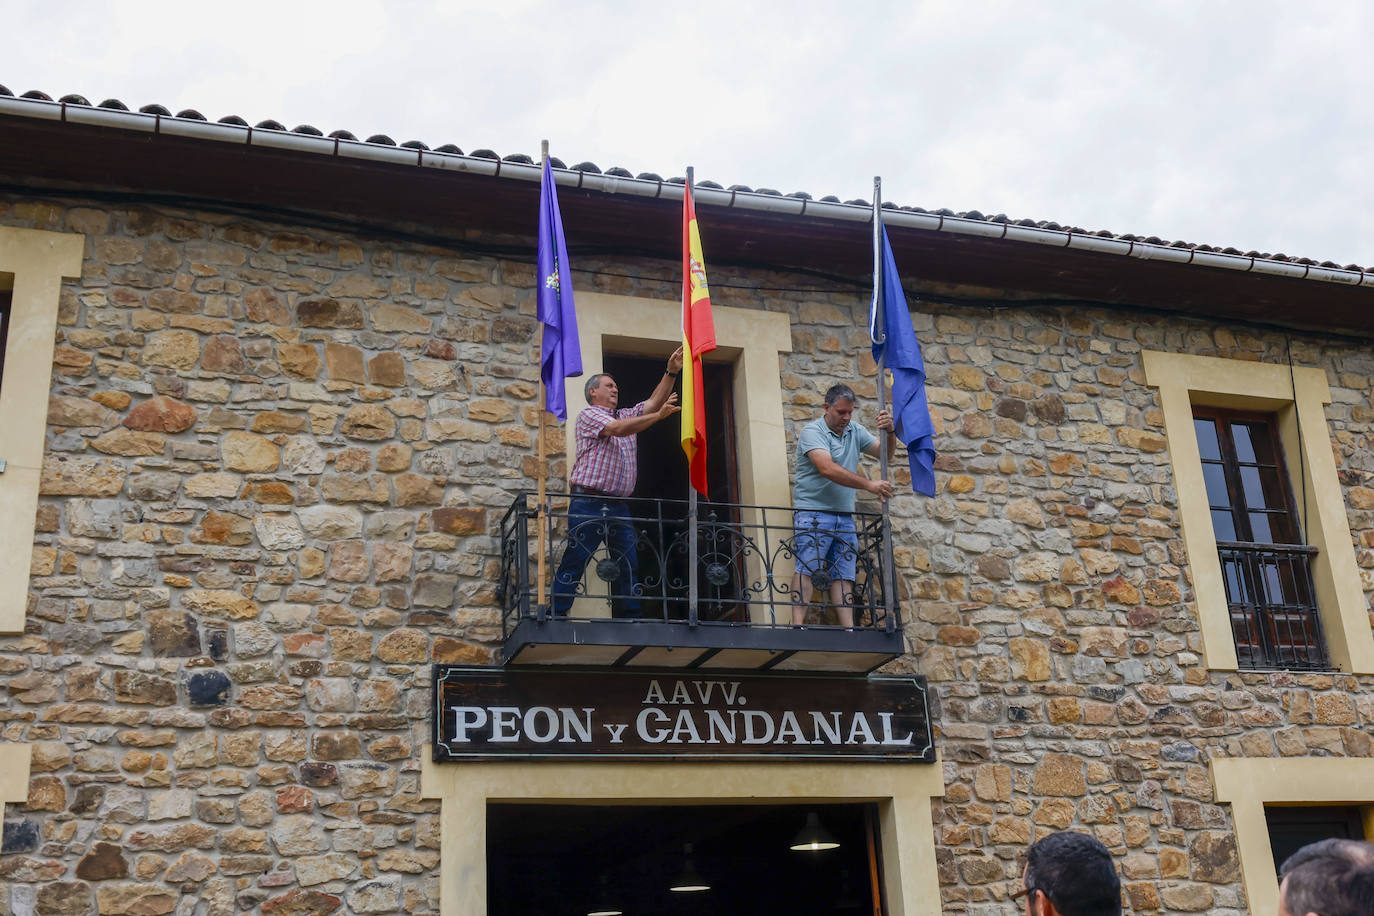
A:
x: 1266, y: 567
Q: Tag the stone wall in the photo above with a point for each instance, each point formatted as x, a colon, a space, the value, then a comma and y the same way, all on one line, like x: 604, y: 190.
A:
x: 276, y: 460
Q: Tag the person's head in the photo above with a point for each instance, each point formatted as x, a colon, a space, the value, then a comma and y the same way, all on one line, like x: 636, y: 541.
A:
x: 1332, y: 877
x: 601, y: 391
x: 839, y: 407
x: 1071, y: 874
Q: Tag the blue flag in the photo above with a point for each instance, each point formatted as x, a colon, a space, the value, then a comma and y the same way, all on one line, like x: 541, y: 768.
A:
x: 889, y: 324
x: 561, y: 352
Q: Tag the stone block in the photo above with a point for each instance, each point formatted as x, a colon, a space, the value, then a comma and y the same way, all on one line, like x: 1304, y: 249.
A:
x: 243, y: 451
x: 387, y: 369
x: 223, y: 354
x: 68, y: 476
x: 344, y: 363
x: 174, y: 349
x: 63, y: 898
x: 299, y: 360
x: 135, y: 899
x: 1059, y: 775
x: 264, y: 305
x: 330, y: 522
x: 223, y: 528
x: 404, y: 645
x: 297, y: 834
x: 278, y: 532
x: 329, y: 313
x: 219, y: 603
x: 368, y: 422
x: 300, y: 902
x: 102, y: 862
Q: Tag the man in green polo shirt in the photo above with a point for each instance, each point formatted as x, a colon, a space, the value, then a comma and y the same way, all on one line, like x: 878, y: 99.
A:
x: 827, y: 478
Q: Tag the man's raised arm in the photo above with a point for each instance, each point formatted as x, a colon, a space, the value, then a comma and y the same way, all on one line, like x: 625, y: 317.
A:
x: 665, y: 384
x: 628, y: 426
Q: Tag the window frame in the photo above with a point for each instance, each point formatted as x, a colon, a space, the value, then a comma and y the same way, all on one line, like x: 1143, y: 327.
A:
x: 1245, y: 558
x: 1248, y: 784
x: 1231, y: 463
x: 38, y: 261
x: 1296, y: 396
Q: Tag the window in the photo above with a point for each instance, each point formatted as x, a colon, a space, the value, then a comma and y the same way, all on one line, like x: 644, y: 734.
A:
x: 1292, y: 828
x: 1291, y: 403
x: 1266, y: 567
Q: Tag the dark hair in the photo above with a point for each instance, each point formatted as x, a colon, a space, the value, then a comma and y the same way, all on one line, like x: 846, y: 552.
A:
x: 839, y: 393
x: 592, y: 382
x: 1077, y: 873
x: 1352, y: 851
x: 1331, y: 878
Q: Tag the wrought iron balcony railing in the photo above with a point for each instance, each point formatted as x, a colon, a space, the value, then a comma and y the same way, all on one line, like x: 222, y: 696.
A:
x: 1273, y: 608
x: 587, y: 559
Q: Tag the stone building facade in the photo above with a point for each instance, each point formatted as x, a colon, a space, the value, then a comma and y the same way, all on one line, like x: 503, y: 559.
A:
x: 274, y: 456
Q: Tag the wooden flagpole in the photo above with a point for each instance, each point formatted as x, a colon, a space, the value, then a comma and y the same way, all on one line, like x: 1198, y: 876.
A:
x: 542, y: 465
x: 880, y: 327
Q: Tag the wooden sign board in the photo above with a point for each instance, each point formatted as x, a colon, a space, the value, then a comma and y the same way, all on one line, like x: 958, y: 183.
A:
x: 503, y: 713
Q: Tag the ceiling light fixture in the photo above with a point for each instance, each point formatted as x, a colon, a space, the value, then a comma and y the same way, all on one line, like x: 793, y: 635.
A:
x: 689, y: 881
x: 813, y: 837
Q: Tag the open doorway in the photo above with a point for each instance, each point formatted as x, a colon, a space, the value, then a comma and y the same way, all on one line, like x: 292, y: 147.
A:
x: 663, y: 476
x: 582, y: 859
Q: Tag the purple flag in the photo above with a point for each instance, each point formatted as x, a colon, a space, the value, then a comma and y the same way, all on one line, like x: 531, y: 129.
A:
x: 561, y: 352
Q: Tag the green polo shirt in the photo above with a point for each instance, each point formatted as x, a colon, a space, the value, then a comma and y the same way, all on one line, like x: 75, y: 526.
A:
x: 811, y: 490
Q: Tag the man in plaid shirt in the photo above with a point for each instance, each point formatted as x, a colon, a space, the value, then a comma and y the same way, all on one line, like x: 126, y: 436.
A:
x: 603, y: 475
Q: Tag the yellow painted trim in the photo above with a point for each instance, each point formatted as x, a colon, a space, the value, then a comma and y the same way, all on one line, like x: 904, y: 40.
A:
x: 14, y: 774
x: 1298, y: 400
x: 902, y: 792
x: 1247, y: 784
x: 750, y: 339
x: 38, y: 262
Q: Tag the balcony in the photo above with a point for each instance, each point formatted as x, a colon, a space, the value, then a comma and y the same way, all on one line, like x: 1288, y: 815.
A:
x: 667, y: 587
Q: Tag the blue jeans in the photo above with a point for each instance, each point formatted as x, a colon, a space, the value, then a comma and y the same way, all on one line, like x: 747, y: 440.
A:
x: 593, y: 520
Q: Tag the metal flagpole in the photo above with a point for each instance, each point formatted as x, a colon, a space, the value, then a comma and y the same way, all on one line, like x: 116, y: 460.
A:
x: 542, y: 472
x: 880, y: 328
x: 691, y: 490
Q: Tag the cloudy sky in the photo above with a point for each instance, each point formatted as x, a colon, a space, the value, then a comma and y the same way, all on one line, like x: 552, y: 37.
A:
x: 1228, y: 123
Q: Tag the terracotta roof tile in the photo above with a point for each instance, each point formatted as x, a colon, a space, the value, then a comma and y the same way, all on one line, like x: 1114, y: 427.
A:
x: 593, y: 168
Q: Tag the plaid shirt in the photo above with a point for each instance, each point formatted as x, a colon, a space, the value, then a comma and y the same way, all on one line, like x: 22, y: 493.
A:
x: 607, y: 464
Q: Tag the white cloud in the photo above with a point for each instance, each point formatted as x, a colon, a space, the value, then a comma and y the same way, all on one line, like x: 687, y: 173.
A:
x: 1226, y: 123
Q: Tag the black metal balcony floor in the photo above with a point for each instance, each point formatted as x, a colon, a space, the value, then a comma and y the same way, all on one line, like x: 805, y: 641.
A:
x: 608, y: 642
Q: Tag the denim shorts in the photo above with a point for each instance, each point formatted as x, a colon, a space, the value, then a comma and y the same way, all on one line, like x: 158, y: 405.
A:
x: 826, y: 542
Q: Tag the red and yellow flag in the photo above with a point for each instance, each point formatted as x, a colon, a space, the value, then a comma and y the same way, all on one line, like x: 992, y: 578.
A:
x: 698, y: 337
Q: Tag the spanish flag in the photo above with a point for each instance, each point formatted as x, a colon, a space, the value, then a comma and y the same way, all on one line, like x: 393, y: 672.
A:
x: 698, y: 337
